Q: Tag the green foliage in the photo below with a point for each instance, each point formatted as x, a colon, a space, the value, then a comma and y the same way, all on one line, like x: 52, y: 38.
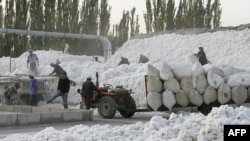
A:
x: 190, y: 14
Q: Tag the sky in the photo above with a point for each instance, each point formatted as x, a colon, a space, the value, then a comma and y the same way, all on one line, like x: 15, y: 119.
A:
x: 234, y: 12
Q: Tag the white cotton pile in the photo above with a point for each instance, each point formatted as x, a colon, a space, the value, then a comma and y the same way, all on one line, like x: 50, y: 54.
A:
x: 187, y: 84
x: 239, y: 94
x: 168, y: 99
x: 195, y: 97
x: 224, y: 94
x: 166, y: 71
x: 182, y: 98
x: 210, y: 95
x: 201, y: 83
x: 172, y: 84
x: 154, y: 100
x: 154, y: 84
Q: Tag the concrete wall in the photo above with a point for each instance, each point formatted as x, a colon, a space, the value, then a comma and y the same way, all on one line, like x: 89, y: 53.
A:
x: 24, y: 115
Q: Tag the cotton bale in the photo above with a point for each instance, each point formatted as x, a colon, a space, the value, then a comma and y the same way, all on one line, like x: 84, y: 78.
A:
x: 168, y: 99
x: 172, y: 84
x: 187, y: 84
x: 214, y: 79
x: 210, y: 95
x: 195, y: 98
x: 154, y: 84
x: 182, y: 98
x: 166, y: 72
x: 181, y: 70
x: 201, y: 83
x: 239, y: 79
x: 154, y: 100
x: 153, y: 71
x: 239, y: 94
x: 210, y: 67
x: 224, y: 94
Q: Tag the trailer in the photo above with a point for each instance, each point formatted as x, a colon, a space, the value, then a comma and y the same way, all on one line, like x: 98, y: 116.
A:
x: 204, y: 108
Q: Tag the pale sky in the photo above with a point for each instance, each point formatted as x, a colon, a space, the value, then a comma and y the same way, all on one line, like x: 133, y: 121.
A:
x: 234, y: 12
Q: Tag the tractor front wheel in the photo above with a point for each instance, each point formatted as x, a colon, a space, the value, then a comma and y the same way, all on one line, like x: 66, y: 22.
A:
x: 107, y: 107
x: 129, y: 109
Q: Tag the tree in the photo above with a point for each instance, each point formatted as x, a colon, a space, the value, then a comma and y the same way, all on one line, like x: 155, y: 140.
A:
x: 36, y: 22
x: 170, y: 14
x: 148, y: 17
x: 159, y: 8
x: 209, y: 15
x: 104, y: 18
x: 21, y: 18
x: 217, y: 14
x: 1, y: 36
x: 179, y: 19
x: 9, y: 19
x: 123, y: 28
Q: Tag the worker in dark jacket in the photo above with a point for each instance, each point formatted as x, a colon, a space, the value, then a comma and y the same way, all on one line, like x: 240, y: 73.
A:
x: 202, y: 56
x: 57, y: 69
x: 62, y: 89
x: 87, y: 91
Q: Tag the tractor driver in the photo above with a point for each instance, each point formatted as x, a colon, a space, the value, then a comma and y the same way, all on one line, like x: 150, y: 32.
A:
x: 87, y: 91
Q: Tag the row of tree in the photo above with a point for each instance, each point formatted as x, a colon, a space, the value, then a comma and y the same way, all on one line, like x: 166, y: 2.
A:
x: 161, y: 15
x: 68, y: 16
x: 93, y: 17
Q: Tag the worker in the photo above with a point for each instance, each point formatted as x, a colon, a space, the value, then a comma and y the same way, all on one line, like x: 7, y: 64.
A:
x: 87, y: 91
x: 33, y: 61
x: 33, y: 90
x: 202, y: 56
x: 11, y: 92
x: 57, y: 70
x: 62, y: 89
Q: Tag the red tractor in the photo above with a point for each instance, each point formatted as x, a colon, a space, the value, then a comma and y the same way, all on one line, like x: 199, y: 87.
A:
x: 110, y: 99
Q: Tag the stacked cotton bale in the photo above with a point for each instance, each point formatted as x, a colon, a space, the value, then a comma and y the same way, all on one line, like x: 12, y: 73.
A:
x: 192, y: 84
x: 154, y: 88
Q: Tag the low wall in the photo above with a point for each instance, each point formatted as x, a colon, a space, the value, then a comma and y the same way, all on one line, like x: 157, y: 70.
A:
x: 25, y: 115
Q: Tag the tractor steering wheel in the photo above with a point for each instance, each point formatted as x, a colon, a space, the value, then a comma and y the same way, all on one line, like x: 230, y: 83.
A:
x: 108, y: 86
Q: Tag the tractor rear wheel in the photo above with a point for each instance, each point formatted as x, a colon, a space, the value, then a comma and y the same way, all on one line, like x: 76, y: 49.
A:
x: 129, y: 109
x: 107, y: 107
